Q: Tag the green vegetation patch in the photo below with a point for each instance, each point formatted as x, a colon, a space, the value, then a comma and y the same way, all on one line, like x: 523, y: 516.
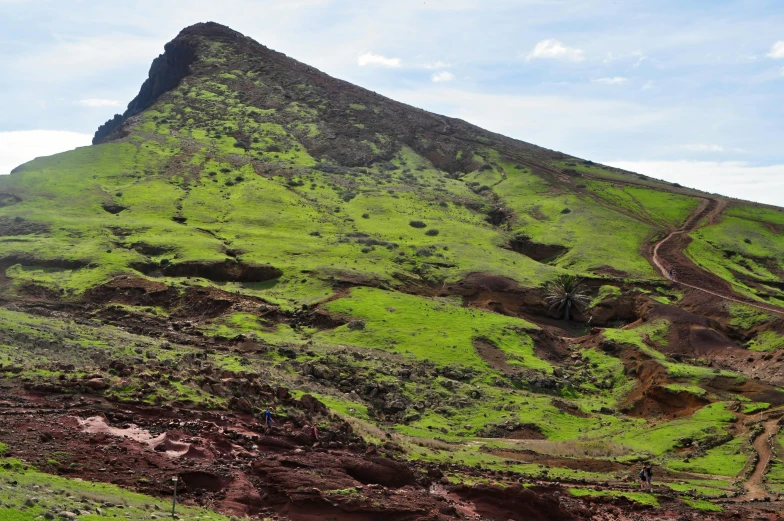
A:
x: 657, y: 439
x: 701, y: 504
x: 766, y: 341
x: 746, y: 249
x: 595, y: 235
x: 432, y: 329
x: 751, y: 408
x: 725, y: 460
x: 605, y: 292
x: 696, y: 487
x: 638, y: 497
x: 693, y: 389
x: 746, y: 317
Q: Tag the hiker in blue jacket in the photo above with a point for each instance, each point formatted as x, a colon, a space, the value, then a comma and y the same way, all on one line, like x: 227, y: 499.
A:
x: 266, y: 416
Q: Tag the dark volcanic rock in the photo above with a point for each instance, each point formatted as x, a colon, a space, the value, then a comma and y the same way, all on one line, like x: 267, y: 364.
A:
x: 226, y: 271
x: 165, y: 73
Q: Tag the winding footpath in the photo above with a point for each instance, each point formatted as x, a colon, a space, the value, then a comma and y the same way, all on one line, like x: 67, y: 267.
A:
x: 755, y: 489
x: 708, y: 211
x: 706, y: 214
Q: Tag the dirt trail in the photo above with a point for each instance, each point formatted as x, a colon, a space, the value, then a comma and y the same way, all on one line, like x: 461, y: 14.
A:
x: 762, y: 445
x: 668, y: 254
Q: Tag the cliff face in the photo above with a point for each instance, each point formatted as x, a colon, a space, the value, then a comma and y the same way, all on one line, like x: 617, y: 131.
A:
x: 165, y: 74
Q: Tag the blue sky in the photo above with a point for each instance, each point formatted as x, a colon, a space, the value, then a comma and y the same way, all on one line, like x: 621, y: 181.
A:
x: 684, y: 91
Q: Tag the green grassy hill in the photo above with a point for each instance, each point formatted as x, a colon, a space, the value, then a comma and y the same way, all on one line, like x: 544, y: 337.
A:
x: 392, y: 262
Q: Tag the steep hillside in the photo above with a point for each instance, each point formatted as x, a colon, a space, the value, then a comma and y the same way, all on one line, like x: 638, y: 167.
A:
x: 253, y: 233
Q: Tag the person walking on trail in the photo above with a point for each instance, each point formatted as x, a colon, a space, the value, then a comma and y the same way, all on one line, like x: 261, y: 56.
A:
x: 672, y: 274
x: 314, y: 436
x: 643, y: 476
x: 266, y: 416
x: 649, y: 476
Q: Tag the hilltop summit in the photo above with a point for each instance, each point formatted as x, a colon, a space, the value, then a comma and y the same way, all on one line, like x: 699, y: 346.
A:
x: 208, y: 49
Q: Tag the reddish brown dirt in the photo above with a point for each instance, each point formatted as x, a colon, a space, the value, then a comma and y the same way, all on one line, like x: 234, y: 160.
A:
x: 568, y: 408
x: 659, y: 401
x: 707, y: 336
x: 514, y: 502
x: 494, y: 357
x: 228, y: 462
x: 225, y: 460
x: 133, y: 291
x: 650, y: 398
x: 507, y: 297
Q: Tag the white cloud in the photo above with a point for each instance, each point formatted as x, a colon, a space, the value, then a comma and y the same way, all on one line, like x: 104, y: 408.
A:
x: 764, y: 184
x: 98, y: 102
x: 615, y: 80
x: 553, y: 49
x: 443, y: 76
x: 437, y: 65
x: 21, y: 146
x: 777, y: 51
x: 701, y: 147
x: 376, y: 60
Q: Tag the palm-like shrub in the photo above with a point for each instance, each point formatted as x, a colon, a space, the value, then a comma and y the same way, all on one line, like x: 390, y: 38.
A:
x: 567, y: 292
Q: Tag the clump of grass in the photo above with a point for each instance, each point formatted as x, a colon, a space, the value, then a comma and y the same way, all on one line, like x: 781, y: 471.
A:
x: 637, y: 497
x: 703, y: 505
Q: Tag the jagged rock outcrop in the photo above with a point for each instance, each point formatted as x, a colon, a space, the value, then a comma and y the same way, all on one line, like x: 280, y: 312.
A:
x: 165, y: 74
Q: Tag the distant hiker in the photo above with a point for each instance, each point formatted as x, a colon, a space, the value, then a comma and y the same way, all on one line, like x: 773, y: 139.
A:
x: 643, y: 476
x: 266, y: 416
x: 670, y: 272
x: 649, y: 476
x: 314, y: 433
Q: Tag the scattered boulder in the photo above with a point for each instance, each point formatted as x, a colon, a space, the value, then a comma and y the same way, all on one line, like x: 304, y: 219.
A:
x: 96, y: 384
